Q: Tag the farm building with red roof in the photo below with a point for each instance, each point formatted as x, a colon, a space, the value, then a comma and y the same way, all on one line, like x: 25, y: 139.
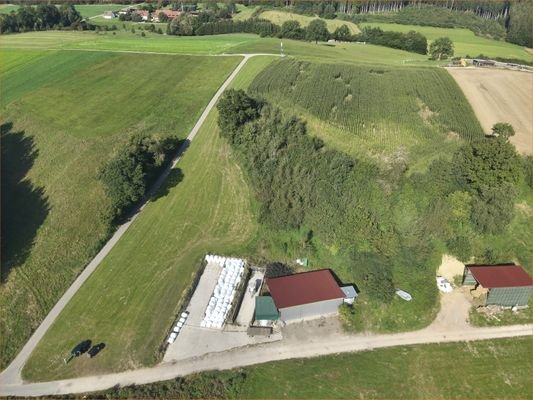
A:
x: 306, y: 295
x: 505, y: 285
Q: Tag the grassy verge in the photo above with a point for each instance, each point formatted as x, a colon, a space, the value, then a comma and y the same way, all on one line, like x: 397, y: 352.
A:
x: 54, y: 208
x: 492, y: 369
x: 135, y: 293
x: 465, y: 41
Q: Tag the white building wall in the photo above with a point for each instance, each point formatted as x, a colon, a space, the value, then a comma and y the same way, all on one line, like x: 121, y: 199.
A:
x: 310, y: 310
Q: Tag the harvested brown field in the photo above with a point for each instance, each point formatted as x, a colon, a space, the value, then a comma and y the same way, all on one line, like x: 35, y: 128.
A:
x: 500, y: 96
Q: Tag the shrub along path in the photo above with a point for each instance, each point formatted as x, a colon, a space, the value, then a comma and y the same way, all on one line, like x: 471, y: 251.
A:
x: 12, y: 374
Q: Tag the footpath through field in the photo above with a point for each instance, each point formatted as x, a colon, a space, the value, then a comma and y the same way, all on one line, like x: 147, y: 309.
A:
x: 12, y: 374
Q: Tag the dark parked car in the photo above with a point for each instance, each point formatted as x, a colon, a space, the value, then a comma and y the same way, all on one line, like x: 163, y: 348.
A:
x: 95, y: 350
x: 81, y: 348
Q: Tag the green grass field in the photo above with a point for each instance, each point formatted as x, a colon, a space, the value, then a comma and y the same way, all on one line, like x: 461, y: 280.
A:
x: 493, y: 369
x: 52, y: 155
x: 243, y: 12
x: 279, y: 17
x: 7, y: 8
x: 232, y: 43
x: 92, y: 10
x: 134, y: 294
x: 465, y: 42
x: 335, y: 53
x: 373, y: 111
x: 126, y: 41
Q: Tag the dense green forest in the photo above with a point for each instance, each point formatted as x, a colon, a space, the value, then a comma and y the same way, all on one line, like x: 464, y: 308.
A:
x: 496, y: 19
x: 386, y: 221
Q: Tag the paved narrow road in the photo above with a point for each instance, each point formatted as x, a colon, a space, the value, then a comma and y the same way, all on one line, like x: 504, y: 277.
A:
x: 11, y: 375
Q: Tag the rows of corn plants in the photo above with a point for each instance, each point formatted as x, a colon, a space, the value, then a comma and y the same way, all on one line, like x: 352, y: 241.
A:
x: 390, y: 106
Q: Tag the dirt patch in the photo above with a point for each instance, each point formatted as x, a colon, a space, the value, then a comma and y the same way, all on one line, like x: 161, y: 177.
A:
x: 452, y: 136
x: 424, y: 111
x: 500, y: 96
x: 450, y: 267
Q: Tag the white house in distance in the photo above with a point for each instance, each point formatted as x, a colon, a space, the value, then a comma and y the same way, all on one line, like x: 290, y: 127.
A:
x: 109, y: 14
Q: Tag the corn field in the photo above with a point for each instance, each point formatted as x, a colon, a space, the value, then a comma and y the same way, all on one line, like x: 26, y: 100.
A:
x: 390, y: 106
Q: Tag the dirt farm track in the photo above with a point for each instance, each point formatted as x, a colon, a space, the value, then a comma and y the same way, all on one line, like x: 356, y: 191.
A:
x: 498, y: 95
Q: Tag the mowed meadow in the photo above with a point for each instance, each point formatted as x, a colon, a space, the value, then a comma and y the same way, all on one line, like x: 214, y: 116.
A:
x: 64, y: 114
x: 133, y: 297
x: 464, y: 40
x: 279, y: 17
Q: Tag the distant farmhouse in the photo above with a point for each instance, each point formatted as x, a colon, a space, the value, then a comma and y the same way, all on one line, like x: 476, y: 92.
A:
x: 156, y: 15
x: 109, y: 14
x: 504, y: 285
x: 305, y: 295
x: 145, y: 14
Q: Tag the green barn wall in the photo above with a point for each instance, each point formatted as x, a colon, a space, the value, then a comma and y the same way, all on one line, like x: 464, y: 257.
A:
x: 510, y: 296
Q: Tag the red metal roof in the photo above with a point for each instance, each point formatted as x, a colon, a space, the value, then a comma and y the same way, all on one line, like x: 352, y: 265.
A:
x: 497, y: 276
x: 304, y: 288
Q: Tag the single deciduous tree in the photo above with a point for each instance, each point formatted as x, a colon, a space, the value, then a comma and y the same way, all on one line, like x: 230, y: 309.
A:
x: 124, y: 181
x: 441, y: 49
x: 503, y: 129
x: 342, y: 33
x: 317, y: 30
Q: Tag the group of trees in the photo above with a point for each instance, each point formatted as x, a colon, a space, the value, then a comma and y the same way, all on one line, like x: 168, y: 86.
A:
x: 188, y: 25
x: 317, y: 30
x: 41, y: 17
x: 129, y: 173
x: 344, y: 201
x: 412, y: 41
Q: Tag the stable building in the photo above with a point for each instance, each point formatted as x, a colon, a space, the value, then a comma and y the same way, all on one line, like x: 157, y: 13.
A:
x: 306, y: 295
x: 503, y: 285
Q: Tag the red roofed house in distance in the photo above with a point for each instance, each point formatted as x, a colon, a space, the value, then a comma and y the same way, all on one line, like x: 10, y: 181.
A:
x: 308, y: 294
x: 504, y: 284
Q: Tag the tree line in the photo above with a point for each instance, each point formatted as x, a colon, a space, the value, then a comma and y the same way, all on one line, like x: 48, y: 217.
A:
x: 40, y: 17
x: 504, y: 19
x: 348, y: 203
x: 188, y: 25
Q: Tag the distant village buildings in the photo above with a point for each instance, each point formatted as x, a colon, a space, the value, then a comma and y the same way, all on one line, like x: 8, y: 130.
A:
x: 145, y: 15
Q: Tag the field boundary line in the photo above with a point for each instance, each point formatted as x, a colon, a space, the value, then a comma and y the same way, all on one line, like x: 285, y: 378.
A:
x: 12, y: 374
x: 163, y: 53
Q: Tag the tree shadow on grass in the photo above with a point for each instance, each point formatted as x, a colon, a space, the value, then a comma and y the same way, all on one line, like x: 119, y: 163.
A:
x: 24, y: 206
x: 174, y: 177
x: 171, y: 177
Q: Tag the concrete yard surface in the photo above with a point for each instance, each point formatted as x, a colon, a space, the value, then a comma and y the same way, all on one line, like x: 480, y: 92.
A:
x: 194, y: 340
x: 246, y: 312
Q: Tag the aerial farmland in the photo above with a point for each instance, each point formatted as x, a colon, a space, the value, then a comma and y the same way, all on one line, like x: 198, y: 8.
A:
x: 215, y: 200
